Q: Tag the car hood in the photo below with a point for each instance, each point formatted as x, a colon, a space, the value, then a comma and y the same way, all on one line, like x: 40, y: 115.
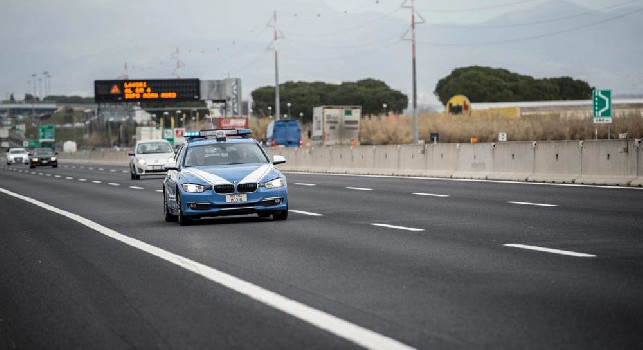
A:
x: 228, y: 174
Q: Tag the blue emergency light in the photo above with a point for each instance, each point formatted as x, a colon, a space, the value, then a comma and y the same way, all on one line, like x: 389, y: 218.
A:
x: 217, y: 133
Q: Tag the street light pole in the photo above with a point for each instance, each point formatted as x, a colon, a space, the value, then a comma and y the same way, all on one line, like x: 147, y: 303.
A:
x: 288, y: 104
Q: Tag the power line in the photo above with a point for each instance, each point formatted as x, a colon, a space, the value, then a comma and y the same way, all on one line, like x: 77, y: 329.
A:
x: 540, y: 36
x: 557, y: 19
x: 481, y: 8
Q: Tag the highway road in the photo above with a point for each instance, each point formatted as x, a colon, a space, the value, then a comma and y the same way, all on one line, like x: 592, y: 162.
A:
x: 86, y: 261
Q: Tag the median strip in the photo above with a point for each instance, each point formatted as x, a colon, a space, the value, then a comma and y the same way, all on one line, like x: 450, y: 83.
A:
x: 550, y: 250
x: 400, y: 227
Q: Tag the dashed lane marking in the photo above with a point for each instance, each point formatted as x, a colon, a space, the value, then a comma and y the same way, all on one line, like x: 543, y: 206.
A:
x: 359, y: 188
x: 431, y: 194
x: 534, y: 204
x: 304, y: 212
x: 550, y: 250
x: 413, y: 229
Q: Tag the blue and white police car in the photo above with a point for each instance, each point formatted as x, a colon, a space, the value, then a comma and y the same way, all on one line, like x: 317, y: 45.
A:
x: 223, y: 172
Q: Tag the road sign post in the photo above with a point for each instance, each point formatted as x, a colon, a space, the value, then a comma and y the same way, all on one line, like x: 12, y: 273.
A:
x: 602, y: 107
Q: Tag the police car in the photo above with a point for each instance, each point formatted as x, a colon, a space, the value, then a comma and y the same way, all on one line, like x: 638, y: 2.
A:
x: 223, y: 172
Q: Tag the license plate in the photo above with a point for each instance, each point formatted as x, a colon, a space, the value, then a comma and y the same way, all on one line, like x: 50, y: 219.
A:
x: 236, y: 198
x: 44, y: 162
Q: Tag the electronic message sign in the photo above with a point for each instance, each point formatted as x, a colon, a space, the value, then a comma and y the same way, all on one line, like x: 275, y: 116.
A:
x: 110, y: 91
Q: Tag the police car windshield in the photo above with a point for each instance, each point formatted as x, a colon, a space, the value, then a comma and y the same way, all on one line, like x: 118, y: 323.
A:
x: 224, y: 154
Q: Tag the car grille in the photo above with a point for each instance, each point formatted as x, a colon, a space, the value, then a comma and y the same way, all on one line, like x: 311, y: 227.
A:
x: 247, y: 187
x: 229, y: 188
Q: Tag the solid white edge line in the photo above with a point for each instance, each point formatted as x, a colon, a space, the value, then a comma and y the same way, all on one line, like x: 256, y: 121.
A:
x: 550, y: 250
x: 399, y: 227
x: 341, y: 328
x: 464, y: 180
x: 359, y: 188
x: 430, y: 194
x: 534, y: 204
x: 304, y: 212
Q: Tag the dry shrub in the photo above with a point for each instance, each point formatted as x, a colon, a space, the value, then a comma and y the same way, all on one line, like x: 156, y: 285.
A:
x: 486, y: 124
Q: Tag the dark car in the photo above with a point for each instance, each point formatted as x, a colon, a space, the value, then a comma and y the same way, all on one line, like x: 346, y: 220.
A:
x: 43, y: 156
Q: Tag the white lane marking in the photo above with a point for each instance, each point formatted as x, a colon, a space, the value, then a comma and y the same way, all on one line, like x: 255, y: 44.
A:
x: 101, y: 169
x: 335, y: 325
x: 400, y: 227
x: 136, y: 188
x: 113, y: 184
x: 534, y: 204
x: 69, y: 178
x: 112, y: 170
x: 125, y: 171
x: 41, y: 174
x: 97, y: 182
x: 73, y: 167
x: 159, y: 191
x: 304, y: 184
x: 82, y: 180
x: 304, y: 212
x: 56, y: 176
x: 47, y: 174
x: 431, y: 194
x: 465, y: 180
x: 359, y: 188
x: 550, y: 250
x: 90, y: 168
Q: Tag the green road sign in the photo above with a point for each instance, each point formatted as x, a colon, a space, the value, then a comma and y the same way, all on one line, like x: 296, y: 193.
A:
x: 33, y: 143
x: 46, y: 132
x: 602, y: 101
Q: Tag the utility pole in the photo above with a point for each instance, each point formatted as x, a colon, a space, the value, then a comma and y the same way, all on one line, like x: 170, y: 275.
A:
x: 274, y: 46
x: 414, y: 70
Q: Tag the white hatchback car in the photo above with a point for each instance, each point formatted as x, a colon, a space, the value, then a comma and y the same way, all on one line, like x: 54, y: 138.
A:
x: 17, y: 156
x: 149, y: 156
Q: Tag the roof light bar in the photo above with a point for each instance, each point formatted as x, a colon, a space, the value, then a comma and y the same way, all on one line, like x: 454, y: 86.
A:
x: 213, y: 133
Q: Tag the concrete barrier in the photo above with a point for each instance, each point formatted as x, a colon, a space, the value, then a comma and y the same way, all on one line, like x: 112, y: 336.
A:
x: 441, y: 159
x: 557, y: 161
x: 637, y: 149
x: 412, y: 160
x: 513, y: 161
x: 363, y: 159
x: 605, y: 162
x: 341, y: 160
x: 475, y: 161
x: 387, y: 160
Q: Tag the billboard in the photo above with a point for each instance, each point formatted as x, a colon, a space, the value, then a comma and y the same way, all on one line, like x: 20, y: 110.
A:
x: 113, y: 91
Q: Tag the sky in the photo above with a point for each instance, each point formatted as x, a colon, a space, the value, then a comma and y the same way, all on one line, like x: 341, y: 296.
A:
x: 79, y: 41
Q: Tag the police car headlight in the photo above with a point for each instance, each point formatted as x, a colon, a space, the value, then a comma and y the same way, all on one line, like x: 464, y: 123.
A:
x: 141, y: 161
x: 279, y: 182
x: 193, y: 188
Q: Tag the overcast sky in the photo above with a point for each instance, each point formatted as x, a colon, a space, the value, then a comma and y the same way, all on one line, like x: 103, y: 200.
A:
x: 79, y: 41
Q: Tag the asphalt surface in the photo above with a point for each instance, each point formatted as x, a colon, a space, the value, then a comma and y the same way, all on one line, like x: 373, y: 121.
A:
x: 430, y: 263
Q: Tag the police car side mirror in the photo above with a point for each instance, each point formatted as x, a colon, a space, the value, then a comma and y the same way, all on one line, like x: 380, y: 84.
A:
x: 170, y: 166
x: 278, y: 160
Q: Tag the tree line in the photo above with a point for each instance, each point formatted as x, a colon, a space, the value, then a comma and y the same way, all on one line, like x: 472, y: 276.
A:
x: 486, y: 84
x: 374, y: 96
